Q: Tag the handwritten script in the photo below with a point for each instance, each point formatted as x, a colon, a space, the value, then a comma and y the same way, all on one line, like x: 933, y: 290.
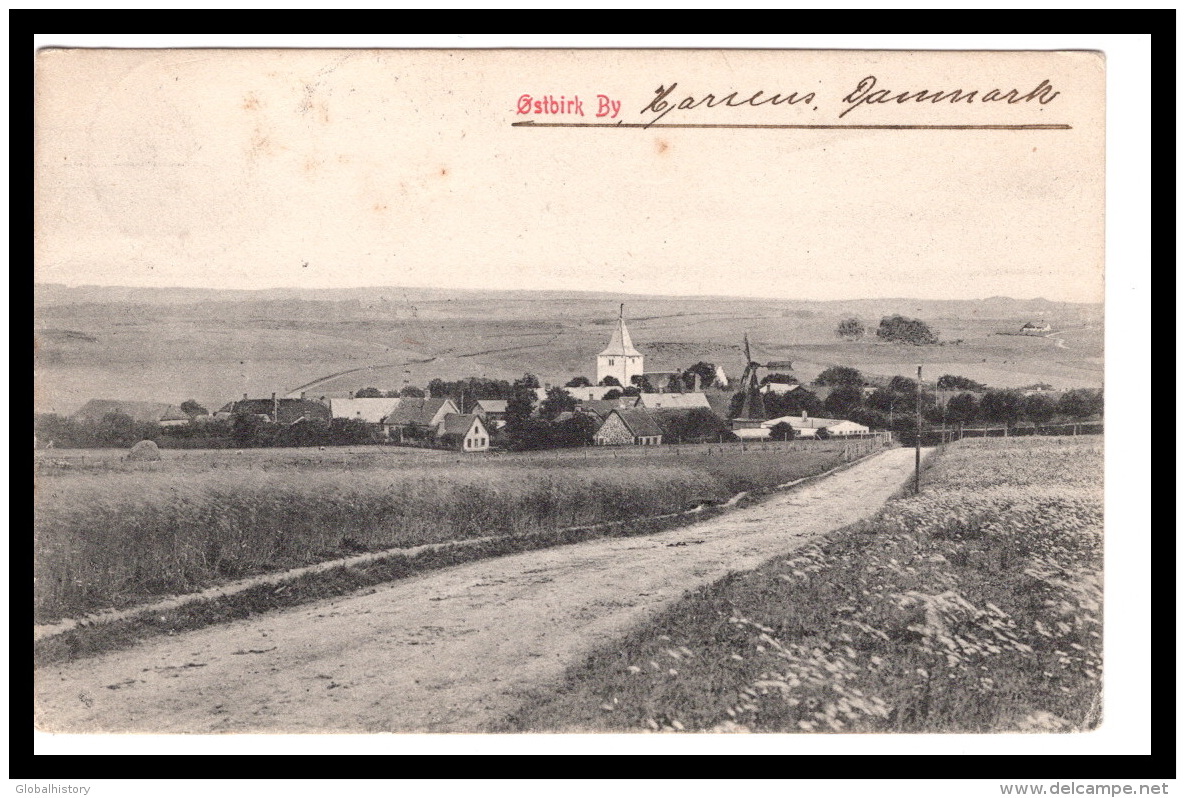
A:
x: 866, y: 94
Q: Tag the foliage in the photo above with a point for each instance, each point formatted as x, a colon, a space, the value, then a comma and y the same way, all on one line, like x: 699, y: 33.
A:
x: 609, y: 380
x: 191, y: 408
x: 905, y: 330
x: 839, y: 375
x: 1038, y: 409
x: 782, y: 432
x: 558, y: 401
x: 1006, y: 407
x: 369, y: 393
x: 114, y: 430
x: 698, y: 425
x: 843, y: 400
x: 706, y: 372
x: 412, y: 392
x: 792, y: 403
x: 642, y: 383
x: 612, y: 393
x: 962, y: 409
x: 903, y: 385
x: 633, y: 390
x: 1081, y: 403
x: 850, y: 329
x: 950, y: 382
x: 578, y: 382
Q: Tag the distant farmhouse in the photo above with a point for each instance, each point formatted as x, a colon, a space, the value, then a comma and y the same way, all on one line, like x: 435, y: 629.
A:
x: 673, y: 401
x: 1035, y: 327
x: 415, y: 420
x: 276, y: 410
x: 371, y: 411
x: 154, y: 412
x: 628, y: 428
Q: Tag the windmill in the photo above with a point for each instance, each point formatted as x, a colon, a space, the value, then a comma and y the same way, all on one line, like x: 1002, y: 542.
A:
x: 753, y: 408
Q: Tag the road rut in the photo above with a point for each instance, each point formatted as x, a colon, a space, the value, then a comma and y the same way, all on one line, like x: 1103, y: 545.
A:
x: 446, y: 651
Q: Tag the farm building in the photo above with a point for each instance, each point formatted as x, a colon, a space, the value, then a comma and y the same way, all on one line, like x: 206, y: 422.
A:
x: 807, y: 427
x: 490, y: 409
x: 372, y: 411
x: 155, y: 412
x: 463, y: 431
x: 779, y: 387
x: 752, y: 433
x: 1035, y: 327
x: 277, y: 411
x: 673, y: 401
x: 416, y: 419
x: 697, y: 425
x: 632, y: 427
x: 619, y: 359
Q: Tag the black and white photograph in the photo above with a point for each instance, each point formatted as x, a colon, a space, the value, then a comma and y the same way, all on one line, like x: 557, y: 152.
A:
x: 598, y: 392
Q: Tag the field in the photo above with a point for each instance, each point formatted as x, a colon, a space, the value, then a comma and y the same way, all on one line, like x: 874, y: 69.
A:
x: 215, y: 346
x: 110, y: 533
x: 973, y: 607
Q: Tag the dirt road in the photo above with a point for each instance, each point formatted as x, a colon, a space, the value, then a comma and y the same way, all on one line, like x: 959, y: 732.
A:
x: 447, y: 651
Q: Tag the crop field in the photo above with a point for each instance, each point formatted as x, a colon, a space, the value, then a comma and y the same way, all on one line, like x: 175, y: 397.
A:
x: 975, y: 606
x: 112, y: 534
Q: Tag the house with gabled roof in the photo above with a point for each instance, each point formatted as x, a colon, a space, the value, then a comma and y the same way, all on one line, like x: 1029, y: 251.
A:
x: 632, y: 427
x: 464, y: 432
x: 415, y: 419
x: 277, y: 410
x: 601, y: 408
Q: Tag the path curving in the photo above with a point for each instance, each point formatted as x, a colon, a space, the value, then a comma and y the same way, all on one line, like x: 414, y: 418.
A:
x: 446, y: 651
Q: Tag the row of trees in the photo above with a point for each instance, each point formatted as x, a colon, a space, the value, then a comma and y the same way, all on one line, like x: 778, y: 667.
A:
x: 119, y: 431
x: 893, y: 406
x: 892, y: 328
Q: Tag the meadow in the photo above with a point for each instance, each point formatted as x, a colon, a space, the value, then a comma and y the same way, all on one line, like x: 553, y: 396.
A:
x: 110, y: 533
x: 975, y: 606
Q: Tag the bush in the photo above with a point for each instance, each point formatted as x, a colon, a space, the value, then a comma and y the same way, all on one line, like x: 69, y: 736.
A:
x: 905, y: 330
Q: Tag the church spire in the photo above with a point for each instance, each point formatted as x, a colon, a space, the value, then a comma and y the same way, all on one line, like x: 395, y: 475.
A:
x: 620, y: 343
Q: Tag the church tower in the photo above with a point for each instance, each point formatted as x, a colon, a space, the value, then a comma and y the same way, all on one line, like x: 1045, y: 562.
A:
x: 619, y: 360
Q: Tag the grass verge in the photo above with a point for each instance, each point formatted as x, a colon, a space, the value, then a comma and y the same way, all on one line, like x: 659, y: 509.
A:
x: 973, y: 607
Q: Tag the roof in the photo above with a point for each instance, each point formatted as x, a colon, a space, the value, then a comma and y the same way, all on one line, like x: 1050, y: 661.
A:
x: 491, y: 405
x: 620, y: 343
x: 719, y: 402
x: 95, y: 409
x: 457, y: 423
x: 751, y: 432
x: 369, y: 410
x: 798, y: 422
x: 290, y: 410
x: 639, y: 422
x: 603, y: 407
x: 673, y: 401
x: 413, y: 410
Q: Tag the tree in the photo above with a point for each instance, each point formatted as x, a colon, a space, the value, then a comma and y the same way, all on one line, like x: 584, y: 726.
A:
x: 843, y: 400
x: 949, y: 382
x: 904, y: 330
x: 1081, y: 403
x: 884, y: 400
x: 962, y: 409
x: 903, y: 385
x: 782, y: 432
x: 850, y: 329
x: 643, y: 383
x: 369, y: 393
x: 529, y: 380
x: 612, y: 393
x: 633, y: 390
x: 558, y: 401
x: 578, y: 382
x: 822, y: 433
x: 792, y: 403
x: 706, y: 372
x: 192, y: 409
x: 1005, y: 407
x: 781, y: 379
x: 117, y: 429
x: 413, y: 392
x: 609, y: 380
x: 1038, y: 408
x: 245, y: 428
x: 839, y: 375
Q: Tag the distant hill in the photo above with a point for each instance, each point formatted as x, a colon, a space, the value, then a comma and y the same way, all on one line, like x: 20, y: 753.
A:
x: 213, y: 345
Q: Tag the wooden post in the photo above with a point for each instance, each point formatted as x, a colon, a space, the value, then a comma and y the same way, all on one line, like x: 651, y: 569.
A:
x: 917, y: 448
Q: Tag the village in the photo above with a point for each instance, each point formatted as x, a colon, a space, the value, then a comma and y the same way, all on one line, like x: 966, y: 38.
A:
x: 626, y: 405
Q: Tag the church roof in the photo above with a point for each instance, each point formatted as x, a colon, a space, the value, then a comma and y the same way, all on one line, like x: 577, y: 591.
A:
x: 620, y: 344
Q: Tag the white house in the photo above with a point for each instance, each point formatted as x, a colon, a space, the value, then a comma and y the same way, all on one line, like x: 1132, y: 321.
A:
x: 620, y: 359
x: 807, y: 427
x: 464, y: 431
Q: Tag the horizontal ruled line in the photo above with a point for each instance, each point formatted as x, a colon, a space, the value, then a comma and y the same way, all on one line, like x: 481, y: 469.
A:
x: 533, y: 123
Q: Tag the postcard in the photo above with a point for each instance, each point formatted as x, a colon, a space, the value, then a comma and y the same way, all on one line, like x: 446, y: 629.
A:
x: 553, y: 391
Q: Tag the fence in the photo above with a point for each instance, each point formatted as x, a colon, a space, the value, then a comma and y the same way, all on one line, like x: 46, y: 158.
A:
x: 937, y: 437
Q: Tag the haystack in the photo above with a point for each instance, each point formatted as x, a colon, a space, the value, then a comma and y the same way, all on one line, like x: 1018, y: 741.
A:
x: 144, y: 450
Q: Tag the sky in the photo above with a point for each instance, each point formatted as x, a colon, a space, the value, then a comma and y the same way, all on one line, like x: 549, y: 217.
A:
x: 210, y: 168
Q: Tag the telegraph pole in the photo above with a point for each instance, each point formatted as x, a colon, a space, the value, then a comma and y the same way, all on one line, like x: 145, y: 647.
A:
x: 917, y: 445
